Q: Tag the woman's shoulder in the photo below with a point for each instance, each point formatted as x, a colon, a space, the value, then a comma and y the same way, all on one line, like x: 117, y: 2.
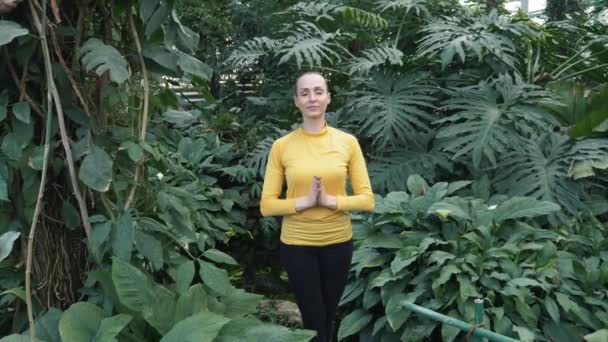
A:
x: 343, y: 134
x: 285, y: 138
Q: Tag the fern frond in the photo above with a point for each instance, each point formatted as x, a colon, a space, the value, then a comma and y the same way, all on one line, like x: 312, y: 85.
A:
x: 418, y: 6
x: 491, y: 117
x: 251, y: 50
x: 389, y: 109
x: 374, y: 57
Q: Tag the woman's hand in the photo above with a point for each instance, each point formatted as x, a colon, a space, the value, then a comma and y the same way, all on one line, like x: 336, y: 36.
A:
x: 312, y: 199
x: 326, y: 200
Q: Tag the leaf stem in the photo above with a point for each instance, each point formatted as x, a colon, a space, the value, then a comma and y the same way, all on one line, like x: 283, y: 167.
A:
x: 142, y: 134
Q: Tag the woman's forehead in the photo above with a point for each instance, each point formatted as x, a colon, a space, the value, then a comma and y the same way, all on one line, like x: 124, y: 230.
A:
x: 311, y: 81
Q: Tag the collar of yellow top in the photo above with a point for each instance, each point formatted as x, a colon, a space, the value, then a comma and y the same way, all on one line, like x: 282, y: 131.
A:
x: 323, y: 131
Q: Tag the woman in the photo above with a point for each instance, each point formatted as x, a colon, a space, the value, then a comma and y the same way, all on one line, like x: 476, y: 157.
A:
x: 316, y: 246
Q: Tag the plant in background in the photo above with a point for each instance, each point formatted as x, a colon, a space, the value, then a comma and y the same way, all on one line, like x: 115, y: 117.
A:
x: 441, y: 251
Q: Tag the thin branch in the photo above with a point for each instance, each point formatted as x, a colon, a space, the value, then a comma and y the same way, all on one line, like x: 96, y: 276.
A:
x: 55, y: 10
x: 144, y: 123
x: 47, y: 139
x: 67, y: 71
x: 11, y: 68
x: 65, y: 141
x: 583, y: 71
x: 23, y: 79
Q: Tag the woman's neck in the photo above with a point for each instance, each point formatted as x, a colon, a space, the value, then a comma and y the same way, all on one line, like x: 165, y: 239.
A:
x: 314, y: 125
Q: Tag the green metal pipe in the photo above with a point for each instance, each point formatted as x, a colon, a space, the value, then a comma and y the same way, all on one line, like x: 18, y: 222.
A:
x: 478, y: 318
x: 464, y: 326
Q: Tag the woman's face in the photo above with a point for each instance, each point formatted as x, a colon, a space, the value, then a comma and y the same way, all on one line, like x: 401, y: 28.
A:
x: 311, y: 96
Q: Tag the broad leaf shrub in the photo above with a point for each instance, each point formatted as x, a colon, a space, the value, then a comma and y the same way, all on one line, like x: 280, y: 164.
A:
x: 441, y: 251
x: 149, y: 311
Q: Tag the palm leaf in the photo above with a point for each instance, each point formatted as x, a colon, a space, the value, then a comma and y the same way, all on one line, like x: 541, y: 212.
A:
x: 362, y: 17
x: 490, y: 35
x: 587, y: 155
x: 375, y: 57
x: 419, y: 6
x: 251, y: 50
x: 539, y: 168
x: 318, y: 10
x: 258, y: 158
x: 310, y: 45
x: 389, y: 109
x: 390, y: 171
x: 491, y: 117
x: 97, y: 56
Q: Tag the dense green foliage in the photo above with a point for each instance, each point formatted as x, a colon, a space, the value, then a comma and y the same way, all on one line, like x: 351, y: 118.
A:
x: 442, y: 250
x: 148, y: 236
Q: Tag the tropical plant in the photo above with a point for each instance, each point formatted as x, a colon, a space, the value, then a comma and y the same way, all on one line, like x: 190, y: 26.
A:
x: 439, y: 250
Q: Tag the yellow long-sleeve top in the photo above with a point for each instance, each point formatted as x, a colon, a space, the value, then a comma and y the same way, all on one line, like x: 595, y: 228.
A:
x: 296, y: 158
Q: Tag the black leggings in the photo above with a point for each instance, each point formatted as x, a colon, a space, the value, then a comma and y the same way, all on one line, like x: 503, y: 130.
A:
x: 317, y: 276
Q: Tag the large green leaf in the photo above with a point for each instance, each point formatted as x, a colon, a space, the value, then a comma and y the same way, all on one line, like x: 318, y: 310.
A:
x: 310, y: 45
x: 97, y: 56
x: 539, y: 168
x: 216, y: 278
x: 392, y: 110
x: 22, y: 111
x: 481, y: 126
x: 520, y: 207
x: 219, y: 256
x: 84, y: 322
x: 137, y: 292
x: 353, y: 323
x: 10, y: 30
x: 184, y: 274
x: 252, y: 330
x: 6, y: 243
x: 96, y: 170
x: 202, y: 327
x: 11, y: 146
x: 162, y: 56
x: 194, y: 67
x: 598, y: 336
x: 80, y: 322
x: 47, y: 326
x: 191, y: 302
x: 488, y: 35
x: 110, y: 327
x: 240, y: 303
x: 150, y: 247
x: 123, y: 236
x: 153, y: 13
x: 396, y: 314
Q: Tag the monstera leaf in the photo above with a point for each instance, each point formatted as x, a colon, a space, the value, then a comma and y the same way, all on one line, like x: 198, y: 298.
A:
x: 100, y: 58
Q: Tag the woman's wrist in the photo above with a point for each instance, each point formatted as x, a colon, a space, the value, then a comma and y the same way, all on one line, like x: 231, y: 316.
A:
x: 303, y: 203
x: 330, y: 202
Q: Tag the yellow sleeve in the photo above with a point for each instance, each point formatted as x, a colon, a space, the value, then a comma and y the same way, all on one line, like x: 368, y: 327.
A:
x: 363, y: 198
x: 270, y: 204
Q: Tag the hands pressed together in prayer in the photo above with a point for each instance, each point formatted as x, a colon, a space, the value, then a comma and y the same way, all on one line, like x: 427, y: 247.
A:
x: 317, y: 197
